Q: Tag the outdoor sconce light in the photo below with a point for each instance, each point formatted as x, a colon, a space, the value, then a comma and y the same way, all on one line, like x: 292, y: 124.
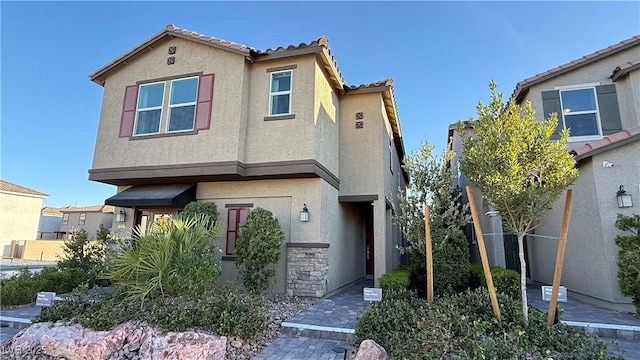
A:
x: 121, y: 216
x: 304, y: 214
x: 624, y: 199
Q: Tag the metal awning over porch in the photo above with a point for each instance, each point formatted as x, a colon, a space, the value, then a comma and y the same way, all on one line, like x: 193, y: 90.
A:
x: 154, y: 195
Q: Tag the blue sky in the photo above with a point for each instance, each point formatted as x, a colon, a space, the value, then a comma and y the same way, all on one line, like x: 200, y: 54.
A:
x: 441, y: 56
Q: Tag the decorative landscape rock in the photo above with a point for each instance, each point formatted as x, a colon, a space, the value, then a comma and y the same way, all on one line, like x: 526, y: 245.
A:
x: 185, y: 345
x: 75, y: 342
x: 28, y: 340
x: 370, y: 350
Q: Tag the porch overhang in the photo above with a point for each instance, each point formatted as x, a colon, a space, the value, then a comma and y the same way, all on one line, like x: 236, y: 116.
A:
x: 154, y: 195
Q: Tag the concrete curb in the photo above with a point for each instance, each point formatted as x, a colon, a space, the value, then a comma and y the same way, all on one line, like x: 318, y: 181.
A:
x: 318, y: 332
x: 614, y: 331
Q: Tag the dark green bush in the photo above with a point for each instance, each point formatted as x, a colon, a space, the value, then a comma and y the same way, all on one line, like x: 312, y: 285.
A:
x: 629, y: 257
x: 506, y: 281
x: 199, y: 208
x: 23, y: 287
x: 224, y: 311
x: 462, y: 326
x: 396, y: 279
x: 258, y: 250
x: 450, y: 264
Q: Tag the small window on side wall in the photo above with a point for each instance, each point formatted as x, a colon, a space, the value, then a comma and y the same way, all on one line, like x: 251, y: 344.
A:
x: 82, y: 219
x: 235, y: 218
x: 280, y: 93
x: 65, y: 219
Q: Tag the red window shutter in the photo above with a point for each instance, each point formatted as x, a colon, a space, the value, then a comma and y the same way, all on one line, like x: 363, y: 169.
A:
x: 205, y: 99
x: 128, y: 110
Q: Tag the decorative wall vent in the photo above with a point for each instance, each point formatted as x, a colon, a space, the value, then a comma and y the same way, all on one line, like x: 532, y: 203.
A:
x: 359, y: 115
x: 359, y: 124
x: 171, y: 60
x: 172, y: 50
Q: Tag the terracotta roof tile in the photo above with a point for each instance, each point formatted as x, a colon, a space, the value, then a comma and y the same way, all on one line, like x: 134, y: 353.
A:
x: 624, y: 69
x: 606, y: 143
x: 52, y: 210
x: 11, y: 187
x: 523, y: 86
x: 93, y: 208
x: 375, y: 84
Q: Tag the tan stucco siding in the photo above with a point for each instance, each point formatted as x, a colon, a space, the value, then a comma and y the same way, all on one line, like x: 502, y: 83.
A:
x: 361, y: 150
x: 284, y: 198
x: 43, y: 249
x: 590, y: 266
x: 19, y: 218
x: 220, y: 141
x: 281, y: 140
x: 597, y: 72
x: 91, y: 224
x: 326, y: 110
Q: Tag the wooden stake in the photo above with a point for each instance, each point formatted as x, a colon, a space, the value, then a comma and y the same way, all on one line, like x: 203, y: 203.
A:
x: 483, y: 253
x: 557, y: 274
x: 429, y: 252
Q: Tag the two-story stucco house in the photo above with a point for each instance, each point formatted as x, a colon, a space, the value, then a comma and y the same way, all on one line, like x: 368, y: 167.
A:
x: 88, y: 218
x: 19, y: 215
x: 598, y: 98
x: 188, y: 117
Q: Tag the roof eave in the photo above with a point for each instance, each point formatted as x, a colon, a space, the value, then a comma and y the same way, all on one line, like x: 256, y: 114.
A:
x: 607, y: 147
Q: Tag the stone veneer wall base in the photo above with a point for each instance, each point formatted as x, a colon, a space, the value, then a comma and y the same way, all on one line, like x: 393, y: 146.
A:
x: 307, y: 269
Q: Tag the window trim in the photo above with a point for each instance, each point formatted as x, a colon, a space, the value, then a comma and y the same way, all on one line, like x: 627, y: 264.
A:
x: 161, y: 108
x: 288, y: 92
x: 230, y: 208
x: 591, y: 86
x: 194, y: 103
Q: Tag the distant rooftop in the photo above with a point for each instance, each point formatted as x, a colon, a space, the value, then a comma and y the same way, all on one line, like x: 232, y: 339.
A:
x: 15, y: 188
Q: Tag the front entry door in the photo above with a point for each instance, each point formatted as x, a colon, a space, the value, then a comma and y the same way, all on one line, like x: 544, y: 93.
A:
x: 369, y: 241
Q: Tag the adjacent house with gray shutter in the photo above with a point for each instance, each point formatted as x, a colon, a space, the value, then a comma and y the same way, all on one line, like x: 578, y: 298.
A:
x: 598, y: 98
x: 188, y: 117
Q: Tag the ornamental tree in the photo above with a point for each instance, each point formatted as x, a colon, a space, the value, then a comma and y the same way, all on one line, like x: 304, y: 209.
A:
x: 432, y: 183
x: 513, y: 161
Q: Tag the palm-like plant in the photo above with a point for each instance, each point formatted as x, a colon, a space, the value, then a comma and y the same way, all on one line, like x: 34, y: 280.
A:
x: 175, y: 257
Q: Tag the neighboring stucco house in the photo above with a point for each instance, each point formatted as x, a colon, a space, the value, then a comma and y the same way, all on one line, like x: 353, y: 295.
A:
x: 88, y: 218
x: 598, y: 98
x: 19, y: 214
x: 50, y: 222
x: 188, y: 117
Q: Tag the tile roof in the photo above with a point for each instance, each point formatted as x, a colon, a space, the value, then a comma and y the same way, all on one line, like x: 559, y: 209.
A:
x: 171, y: 31
x: 93, y: 208
x: 11, y: 187
x: 606, y: 143
x: 624, y: 69
x: 523, y: 86
x: 52, y: 210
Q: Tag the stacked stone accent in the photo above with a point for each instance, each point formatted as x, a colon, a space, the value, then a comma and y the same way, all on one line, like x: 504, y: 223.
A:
x: 307, y: 269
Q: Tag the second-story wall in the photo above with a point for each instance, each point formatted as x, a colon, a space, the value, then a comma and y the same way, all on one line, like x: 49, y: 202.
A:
x: 218, y: 143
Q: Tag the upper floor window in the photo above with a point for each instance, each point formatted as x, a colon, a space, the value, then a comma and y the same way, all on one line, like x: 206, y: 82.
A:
x: 280, y: 94
x: 82, y: 219
x: 589, y: 111
x: 65, y: 219
x: 180, y: 106
x: 580, y: 112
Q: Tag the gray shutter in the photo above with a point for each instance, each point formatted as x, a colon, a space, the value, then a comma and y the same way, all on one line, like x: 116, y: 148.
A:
x: 609, y: 111
x: 551, y: 104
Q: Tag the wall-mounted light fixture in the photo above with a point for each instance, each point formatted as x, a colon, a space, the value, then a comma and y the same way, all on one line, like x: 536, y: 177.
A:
x: 304, y: 214
x: 121, y: 216
x: 624, y: 199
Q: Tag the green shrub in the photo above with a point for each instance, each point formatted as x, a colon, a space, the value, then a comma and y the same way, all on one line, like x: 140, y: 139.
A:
x: 462, y: 326
x: 23, y: 287
x: 198, y: 208
x: 396, y: 279
x: 177, y: 257
x: 258, y: 250
x: 224, y: 311
x: 450, y: 264
x: 506, y: 281
x: 629, y: 257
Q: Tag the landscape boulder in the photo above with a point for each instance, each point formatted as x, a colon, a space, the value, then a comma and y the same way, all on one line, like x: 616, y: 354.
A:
x: 370, y: 350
